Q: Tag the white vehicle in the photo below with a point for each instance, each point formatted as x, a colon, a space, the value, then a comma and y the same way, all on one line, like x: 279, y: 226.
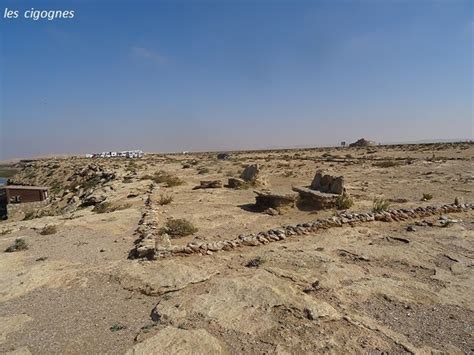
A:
x: 132, y: 154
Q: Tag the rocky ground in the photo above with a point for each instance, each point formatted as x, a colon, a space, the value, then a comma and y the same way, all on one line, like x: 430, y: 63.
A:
x: 398, y: 286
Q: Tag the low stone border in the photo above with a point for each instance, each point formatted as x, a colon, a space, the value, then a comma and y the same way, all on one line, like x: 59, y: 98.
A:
x: 145, y: 245
x: 273, y: 235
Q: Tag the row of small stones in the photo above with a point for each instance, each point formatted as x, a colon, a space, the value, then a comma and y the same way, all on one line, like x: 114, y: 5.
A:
x: 274, y: 235
x: 146, y: 227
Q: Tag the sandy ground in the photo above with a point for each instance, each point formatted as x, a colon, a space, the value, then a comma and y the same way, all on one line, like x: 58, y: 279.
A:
x: 368, y: 288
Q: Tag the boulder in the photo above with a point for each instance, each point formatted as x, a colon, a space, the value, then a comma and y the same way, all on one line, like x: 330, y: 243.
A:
x: 93, y: 199
x: 223, y: 156
x: 251, y: 173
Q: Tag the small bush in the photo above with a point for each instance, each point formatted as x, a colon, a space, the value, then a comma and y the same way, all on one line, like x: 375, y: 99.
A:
x: 29, y: 215
x: 167, y: 178
x: 165, y: 199
x: 380, y: 205
x: 106, y: 207
x: 117, y: 327
x: 203, y: 170
x: 256, y: 262
x: 386, y: 164
x: 127, y: 180
x: 18, y: 245
x: 47, y: 230
x: 179, y: 227
x: 344, y: 202
x: 426, y: 197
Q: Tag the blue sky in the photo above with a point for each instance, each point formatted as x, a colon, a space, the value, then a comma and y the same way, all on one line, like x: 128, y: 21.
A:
x: 216, y: 75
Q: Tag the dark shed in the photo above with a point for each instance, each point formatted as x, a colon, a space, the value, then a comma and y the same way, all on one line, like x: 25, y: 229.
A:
x: 22, y: 194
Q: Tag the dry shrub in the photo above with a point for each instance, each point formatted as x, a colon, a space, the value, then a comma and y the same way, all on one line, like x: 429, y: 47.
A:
x: 166, y: 178
x: 106, y: 207
x: 344, y: 202
x: 47, y: 230
x: 18, y: 245
x: 386, y: 163
x: 165, y: 199
x: 179, y: 227
x: 203, y: 170
x: 256, y: 262
x: 426, y: 197
x: 380, y: 204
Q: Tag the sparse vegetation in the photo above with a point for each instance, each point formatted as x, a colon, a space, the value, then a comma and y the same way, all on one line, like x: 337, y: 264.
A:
x: 18, y: 245
x: 148, y: 327
x: 426, y: 197
x: 163, y: 177
x: 380, y: 204
x: 127, y: 179
x: 116, y: 327
x: 203, y: 170
x: 106, y: 207
x: 256, y: 262
x: 29, y: 215
x: 49, y: 229
x: 179, y: 227
x: 344, y: 202
x: 386, y: 163
x: 165, y: 199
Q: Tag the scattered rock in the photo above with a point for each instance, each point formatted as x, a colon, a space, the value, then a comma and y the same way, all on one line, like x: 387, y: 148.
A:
x: 209, y: 184
x: 271, y: 212
x: 236, y: 183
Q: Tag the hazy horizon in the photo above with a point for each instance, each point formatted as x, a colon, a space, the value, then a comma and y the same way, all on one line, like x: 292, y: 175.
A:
x: 210, y: 76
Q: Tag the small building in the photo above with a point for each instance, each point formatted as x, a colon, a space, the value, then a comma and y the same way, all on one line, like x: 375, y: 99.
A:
x: 11, y: 194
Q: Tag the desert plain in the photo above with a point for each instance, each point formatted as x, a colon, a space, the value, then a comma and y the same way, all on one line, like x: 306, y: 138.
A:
x: 76, y: 280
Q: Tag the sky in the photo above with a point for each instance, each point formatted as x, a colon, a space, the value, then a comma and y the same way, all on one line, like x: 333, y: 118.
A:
x: 191, y: 75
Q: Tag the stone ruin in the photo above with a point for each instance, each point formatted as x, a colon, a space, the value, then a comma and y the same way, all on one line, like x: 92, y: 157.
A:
x: 323, y: 192
x: 327, y: 183
x: 250, y: 176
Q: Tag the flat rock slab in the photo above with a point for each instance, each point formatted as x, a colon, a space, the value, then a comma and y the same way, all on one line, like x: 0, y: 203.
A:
x: 266, y: 200
x: 164, y: 276
x: 316, y: 199
x: 173, y: 340
x: 243, y: 303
